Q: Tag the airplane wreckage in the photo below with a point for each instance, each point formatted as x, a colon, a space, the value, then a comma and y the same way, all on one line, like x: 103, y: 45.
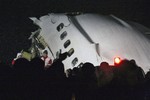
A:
x: 90, y: 38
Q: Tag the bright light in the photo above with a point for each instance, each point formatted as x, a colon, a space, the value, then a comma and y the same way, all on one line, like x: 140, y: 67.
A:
x: 117, y: 60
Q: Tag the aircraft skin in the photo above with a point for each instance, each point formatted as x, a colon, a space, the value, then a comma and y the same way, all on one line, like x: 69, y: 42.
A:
x: 94, y: 38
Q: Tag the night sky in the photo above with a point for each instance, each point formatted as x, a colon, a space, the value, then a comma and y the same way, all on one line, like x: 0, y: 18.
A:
x: 15, y: 26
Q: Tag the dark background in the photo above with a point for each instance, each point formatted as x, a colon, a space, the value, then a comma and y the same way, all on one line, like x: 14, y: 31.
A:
x: 15, y: 26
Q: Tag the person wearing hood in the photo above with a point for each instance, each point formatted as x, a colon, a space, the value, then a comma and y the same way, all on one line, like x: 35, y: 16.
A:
x: 46, y: 59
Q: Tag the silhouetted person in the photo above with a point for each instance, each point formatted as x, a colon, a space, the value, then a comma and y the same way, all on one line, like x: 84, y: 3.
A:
x: 38, y: 78
x: 55, y: 81
x: 130, y: 80
x: 104, y: 74
x: 37, y: 65
x: 22, y: 79
x: 88, y: 82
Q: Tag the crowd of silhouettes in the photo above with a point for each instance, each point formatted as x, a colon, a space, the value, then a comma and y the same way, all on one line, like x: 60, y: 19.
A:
x: 28, y: 80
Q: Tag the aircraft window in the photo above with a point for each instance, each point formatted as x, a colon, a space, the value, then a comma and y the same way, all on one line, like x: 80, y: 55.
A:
x: 63, y: 35
x: 67, y: 43
x: 70, y: 52
x: 80, y: 65
x: 74, y: 61
x: 60, y: 27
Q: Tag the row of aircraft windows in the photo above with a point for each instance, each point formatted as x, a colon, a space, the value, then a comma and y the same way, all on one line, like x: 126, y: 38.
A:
x: 66, y: 44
